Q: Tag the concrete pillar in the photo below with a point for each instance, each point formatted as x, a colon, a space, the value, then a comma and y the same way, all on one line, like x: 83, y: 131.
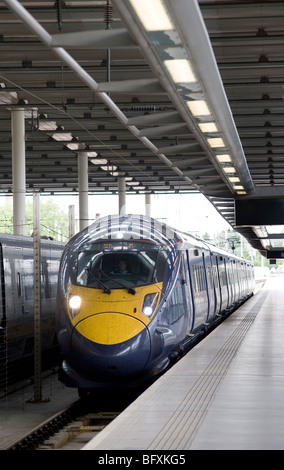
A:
x: 71, y: 221
x: 148, y: 204
x: 18, y: 170
x: 83, y: 189
x: 121, y: 195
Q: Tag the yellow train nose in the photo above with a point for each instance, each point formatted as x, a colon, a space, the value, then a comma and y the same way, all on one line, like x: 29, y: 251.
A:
x: 109, y: 328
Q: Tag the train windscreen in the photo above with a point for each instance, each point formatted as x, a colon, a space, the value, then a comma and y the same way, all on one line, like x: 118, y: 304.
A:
x: 118, y: 264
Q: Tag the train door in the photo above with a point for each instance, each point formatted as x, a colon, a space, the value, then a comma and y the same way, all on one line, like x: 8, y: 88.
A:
x: 27, y: 279
x: 12, y: 265
x: 238, y: 266
x: 229, y: 272
x: 216, y: 292
x: 176, y: 314
x: 187, y: 292
x: 180, y: 313
x: 12, y: 261
x: 223, y: 282
x: 210, y: 285
x: 198, y: 287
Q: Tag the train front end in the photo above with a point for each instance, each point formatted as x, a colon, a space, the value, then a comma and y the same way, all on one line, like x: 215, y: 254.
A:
x: 110, y: 289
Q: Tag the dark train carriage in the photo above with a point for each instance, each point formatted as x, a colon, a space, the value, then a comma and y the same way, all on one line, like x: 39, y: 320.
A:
x: 17, y: 295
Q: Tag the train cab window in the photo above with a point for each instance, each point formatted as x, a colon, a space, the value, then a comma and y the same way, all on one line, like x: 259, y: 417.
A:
x: 113, y: 267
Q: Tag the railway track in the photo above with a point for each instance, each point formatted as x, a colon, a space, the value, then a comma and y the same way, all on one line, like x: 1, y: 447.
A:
x: 73, y: 427
x: 80, y: 431
x: 36, y: 437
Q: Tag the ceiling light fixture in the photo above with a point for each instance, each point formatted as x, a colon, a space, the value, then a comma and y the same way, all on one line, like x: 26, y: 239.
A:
x: 216, y: 142
x: 99, y: 161
x: 198, y: 108
x: 62, y: 136
x: 109, y: 167
x: 152, y: 14
x: 47, y: 125
x: 229, y: 169
x: 207, y: 127
x: 180, y: 70
x: 224, y: 158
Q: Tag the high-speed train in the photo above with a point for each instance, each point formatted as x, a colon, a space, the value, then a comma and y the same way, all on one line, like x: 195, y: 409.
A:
x: 17, y: 298
x: 132, y: 293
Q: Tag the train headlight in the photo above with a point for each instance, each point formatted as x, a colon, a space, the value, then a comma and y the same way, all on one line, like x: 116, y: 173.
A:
x: 150, y: 303
x: 74, y: 303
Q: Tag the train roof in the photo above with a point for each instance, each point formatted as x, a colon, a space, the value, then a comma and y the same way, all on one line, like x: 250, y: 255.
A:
x: 22, y: 241
x: 142, y: 227
x: 131, y: 226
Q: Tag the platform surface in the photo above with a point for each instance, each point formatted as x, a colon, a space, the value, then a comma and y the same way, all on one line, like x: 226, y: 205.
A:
x: 227, y: 393
x: 20, y: 414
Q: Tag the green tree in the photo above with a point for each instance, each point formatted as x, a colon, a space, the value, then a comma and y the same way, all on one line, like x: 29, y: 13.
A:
x: 54, y: 221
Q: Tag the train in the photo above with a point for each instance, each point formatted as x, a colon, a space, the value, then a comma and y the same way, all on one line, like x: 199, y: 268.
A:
x: 17, y: 301
x: 133, y: 293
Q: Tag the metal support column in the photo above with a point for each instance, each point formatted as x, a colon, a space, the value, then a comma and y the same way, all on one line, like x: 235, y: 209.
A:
x: 83, y: 189
x: 18, y: 170
x: 37, y: 302
x: 121, y: 195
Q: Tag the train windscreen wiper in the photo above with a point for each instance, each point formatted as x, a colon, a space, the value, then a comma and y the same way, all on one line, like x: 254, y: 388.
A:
x: 91, y: 275
x: 129, y: 289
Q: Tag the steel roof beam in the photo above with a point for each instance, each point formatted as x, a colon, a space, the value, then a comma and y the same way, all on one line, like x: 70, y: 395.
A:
x: 99, y: 39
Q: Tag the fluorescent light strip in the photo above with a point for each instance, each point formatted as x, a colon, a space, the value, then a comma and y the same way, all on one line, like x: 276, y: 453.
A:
x: 92, y: 154
x: 62, y: 136
x: 207, y: 127
x: 216, y: 142
x: 99, y: 161
x: 198, y: 108
x: 229, y: 169
x: 224, y: 158
x: 109, y: 167
x: 133, y: 183
x: 73, y: 146
x: 47, y: 125
x: 152, y: 15
x: 180, y: 70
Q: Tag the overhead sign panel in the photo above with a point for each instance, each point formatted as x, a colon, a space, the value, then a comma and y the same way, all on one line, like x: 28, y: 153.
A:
x: 251, y: 212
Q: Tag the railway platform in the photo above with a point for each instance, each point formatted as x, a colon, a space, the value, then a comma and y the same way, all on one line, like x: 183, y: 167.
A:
x: 20, y: 413
x: 225, y: 394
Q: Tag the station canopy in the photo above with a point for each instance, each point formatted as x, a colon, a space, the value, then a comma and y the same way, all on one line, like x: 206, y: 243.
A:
x: 175, y: 96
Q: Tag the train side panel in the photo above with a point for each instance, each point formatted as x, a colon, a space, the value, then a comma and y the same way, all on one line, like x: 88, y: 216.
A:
x: 17, y: 293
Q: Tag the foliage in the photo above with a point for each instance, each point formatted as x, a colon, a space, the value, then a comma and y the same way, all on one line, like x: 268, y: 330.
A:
x: 54, y: 221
